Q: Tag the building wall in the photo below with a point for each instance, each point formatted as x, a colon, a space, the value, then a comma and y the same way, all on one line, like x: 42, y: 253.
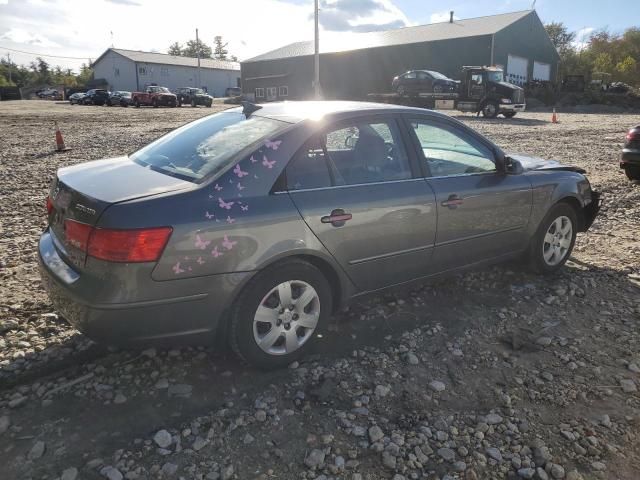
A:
x: 354, y: 74
x: 124, y: 74
x: 526, y: 38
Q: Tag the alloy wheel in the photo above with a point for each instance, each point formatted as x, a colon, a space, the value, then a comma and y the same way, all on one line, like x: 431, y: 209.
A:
x: 557, y: 240
x: 286, y: 317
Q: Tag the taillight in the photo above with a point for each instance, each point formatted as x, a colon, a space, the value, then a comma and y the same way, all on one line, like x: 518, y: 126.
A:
x: 633, y: 135
x: 140, y: 245
x: 144, y: 245
x: 49, y: 206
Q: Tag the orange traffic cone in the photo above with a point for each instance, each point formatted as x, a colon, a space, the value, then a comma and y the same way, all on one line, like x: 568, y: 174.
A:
x: 554, y: 117
x: 60, y: 147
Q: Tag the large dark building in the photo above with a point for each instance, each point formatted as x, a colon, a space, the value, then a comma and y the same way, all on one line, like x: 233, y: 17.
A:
x: 356, y: 64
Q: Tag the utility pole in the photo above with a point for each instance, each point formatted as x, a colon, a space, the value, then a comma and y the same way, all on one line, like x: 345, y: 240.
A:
x: 9, y: 65
x: 316, y: 77
x: 198, y: 55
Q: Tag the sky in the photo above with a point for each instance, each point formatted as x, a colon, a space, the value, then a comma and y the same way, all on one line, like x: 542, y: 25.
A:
x: 85, y: 28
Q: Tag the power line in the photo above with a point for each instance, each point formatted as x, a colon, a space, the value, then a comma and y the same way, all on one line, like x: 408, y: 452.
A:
x: 42, y: 54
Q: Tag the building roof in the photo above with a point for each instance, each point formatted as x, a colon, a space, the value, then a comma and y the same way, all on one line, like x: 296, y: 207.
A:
x: 166, y: 59
x: 342, y: 42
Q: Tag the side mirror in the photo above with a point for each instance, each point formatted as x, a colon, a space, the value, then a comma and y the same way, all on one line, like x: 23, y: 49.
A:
x: 512, y: 166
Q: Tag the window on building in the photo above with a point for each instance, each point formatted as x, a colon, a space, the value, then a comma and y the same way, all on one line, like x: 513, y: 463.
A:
x: 164, y: 71
x: 283, y: 91
x: 259, y: 92
x: 271, y: 93
x: 142, y: 70
x: 116, y: 72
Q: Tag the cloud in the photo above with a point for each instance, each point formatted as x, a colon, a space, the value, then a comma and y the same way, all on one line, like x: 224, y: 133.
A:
x: 582, y: 38
x: 4, y: 2
x: 18, y: 35
x: 443, y: 16
x: 132, y: 3
x: 360, y: 15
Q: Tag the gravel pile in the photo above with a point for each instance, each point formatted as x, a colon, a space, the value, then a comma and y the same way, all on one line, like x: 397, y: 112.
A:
x: 492, y: 374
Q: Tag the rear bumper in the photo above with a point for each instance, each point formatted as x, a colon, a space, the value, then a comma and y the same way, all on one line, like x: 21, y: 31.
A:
x: 512, y: 107
x: 166, y: 319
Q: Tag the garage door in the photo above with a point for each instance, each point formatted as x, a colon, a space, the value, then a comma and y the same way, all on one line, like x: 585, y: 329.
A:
x: 517, y: 68
x: 541, y: 71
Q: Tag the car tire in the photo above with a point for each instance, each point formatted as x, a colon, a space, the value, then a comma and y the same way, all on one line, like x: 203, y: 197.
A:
x: 262, y: 293
x: 509, y: 114
x: 553, y: 242
x: 136, y: 102
x: 209, y: 104
x: 490, y: 110
x: 438, y: 89
x: 632, y: 172
x: 401, y: 91
x: 155, y: 103
x: 193, y: 103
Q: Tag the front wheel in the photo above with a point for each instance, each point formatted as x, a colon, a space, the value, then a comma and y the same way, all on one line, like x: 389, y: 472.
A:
x: 632, y: 172
x: 554, y: 240
x: 509, y: 114
x: 155, y: 103
x: 490, y: 110
x: 279, y: 314
x: 193, y: 103
x: 136, y: 102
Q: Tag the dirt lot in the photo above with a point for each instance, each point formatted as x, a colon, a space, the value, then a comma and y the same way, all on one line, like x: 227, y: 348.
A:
x: 493, y: 374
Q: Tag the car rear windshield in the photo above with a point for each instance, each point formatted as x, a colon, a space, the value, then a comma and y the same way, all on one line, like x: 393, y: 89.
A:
x: 438, y: 75
x: 206, y: 146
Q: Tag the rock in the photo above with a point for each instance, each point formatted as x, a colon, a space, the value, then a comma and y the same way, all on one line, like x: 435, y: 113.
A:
x: 5, y: 423
x: 169, y: 468
x: 493, y: 419
x: 494, y: 453
x: 526, y: 472
x: 598, y: 466
x: 574, y: 475
x: 542, y: 474
x: 459, y: 466
x: 412, y: 359
x: 119, y: 399
x: 388, y: 460
x: 314, y: 459
x: 37, y: 451
x: 180, y: 390
x: 381, y: 391
x: 199, y: 443
x: 375, y: 434
x: 261, y: 415
x: 605, y: 421
x: 437, y: 386
x: 111, y: 473
x: 557, y: 471
x: 162, y: 384
x: 227, y: 472
x: 628, y: 385
x: 69, y: 474
x: 544, y: 341
x: 248, y: 438
x: 162, y: 438
x: 447, y: 454
x: 541, y: 456
x: 633, y: 367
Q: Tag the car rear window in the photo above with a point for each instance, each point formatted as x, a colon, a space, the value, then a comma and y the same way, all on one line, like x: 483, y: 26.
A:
x: 206, y: 146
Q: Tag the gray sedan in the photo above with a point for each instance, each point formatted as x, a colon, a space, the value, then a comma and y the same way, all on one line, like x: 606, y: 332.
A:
x: 255, y: 224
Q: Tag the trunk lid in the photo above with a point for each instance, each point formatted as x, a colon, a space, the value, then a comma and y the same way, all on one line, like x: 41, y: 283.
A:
x: 82, y: 192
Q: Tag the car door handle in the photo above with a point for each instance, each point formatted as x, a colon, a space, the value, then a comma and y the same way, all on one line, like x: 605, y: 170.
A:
x: 337, y: 218
x: 454, y: 201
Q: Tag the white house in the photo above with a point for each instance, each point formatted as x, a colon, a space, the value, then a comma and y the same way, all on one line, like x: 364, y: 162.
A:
x: 133, y: 70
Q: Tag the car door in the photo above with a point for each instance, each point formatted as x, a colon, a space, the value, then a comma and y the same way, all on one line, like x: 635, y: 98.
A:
x: 360, y: 193
x: 425, y: 83
x: 482, y: 212
x: 410, y: 82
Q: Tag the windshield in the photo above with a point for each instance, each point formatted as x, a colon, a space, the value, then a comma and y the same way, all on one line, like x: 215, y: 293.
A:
x: 495, y: 76
x: 159, y: 90
x: 438, y: 75
x: 205, y: 147
x: 197, y: 91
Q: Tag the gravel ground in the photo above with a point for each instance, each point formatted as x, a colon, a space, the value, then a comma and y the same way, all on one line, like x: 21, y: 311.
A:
x: 492, y: 374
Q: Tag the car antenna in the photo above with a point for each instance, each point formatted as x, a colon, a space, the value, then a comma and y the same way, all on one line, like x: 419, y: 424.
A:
x: 248, y: 108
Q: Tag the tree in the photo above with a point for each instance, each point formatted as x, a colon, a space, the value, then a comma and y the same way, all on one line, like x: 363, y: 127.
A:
x: 627, y: 69
x: 603, y: 63
x: 86, y: 73
x: 560, y: 36
x: 220, y: 52
x: 175, y: 49
x: 192, y: 48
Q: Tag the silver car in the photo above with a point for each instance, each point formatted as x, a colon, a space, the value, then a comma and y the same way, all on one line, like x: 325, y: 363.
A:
x: 255, y: 224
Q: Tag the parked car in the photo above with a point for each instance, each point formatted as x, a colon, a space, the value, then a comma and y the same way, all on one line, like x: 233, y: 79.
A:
x: 630, y: 161
x: 48, y: 93
x: 95, y: 96
x: 256, y: 223
x: 76, y: 98
x: 423, y: 81
x: 233, y: 92
x: 193, y: 96
x: 154, y: 96
x: 119, y: 97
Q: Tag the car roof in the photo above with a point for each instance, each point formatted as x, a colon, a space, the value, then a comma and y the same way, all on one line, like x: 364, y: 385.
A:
x: 297, y: 111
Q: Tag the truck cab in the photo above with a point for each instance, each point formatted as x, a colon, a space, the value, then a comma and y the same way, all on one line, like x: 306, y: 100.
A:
x: 483, y: 89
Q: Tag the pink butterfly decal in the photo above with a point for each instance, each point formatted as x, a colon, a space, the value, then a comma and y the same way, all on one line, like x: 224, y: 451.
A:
x: 253, y: 160
x: 267, y: 163
x: 228, y: 244
x: 238, y: 171
x: 225, y: 205
x: 217, y: 187
x: 216, y: 253
x: 272, y: 145
x: 200, y: 261
x: 240, y: 186
x: 245, y: 208
x: 230, y: 220
x: 201, y: 244
x: 209, y: 215
x: 176, y: 269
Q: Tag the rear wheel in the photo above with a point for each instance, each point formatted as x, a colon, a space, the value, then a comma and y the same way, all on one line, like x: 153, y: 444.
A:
x: 490, y: 110
x: 633, y: 172
x: 155, y: 103
x: 509, y: 114
x: 136, y: 102
x: 553, y: 242
x: 279, y: 314
x: 193, y: 103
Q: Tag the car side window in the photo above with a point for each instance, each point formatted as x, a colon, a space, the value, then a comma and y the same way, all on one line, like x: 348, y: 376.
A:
x: 361, y: 152
x: 410, y: 75
x: 449, y: 151
x: 423, y: 76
